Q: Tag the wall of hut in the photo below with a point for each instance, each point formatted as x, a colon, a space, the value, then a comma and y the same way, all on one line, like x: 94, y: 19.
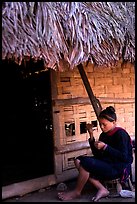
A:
x: 72, y: 109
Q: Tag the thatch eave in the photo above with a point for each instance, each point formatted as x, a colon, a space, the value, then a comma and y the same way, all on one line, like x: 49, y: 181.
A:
x: 65, y: 34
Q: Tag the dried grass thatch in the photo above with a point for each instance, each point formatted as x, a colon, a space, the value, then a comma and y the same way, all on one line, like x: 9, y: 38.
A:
x: 68, y: 33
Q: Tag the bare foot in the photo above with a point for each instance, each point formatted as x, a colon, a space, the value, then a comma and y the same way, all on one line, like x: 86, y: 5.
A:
x: 100, y: 194
x: 68, y: 195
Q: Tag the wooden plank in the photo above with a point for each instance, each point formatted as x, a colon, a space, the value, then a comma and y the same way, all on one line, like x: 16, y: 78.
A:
x: 72, y: 147
x: 58, y: 164
x: 84, y: 101
x: 53, y: 79
x: 22, y: 188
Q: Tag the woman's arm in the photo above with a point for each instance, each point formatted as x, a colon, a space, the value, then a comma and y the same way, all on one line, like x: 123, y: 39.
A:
x: 95, y: 151
x: 123, y: 150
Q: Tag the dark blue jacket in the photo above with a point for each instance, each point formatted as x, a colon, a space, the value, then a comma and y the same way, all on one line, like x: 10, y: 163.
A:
x: 119, y: 148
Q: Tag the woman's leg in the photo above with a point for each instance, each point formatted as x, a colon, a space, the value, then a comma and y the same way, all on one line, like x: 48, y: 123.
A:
x: 77, y: 163
x: 99, y: 168
x: 102, y: 191
x: 82, y: 179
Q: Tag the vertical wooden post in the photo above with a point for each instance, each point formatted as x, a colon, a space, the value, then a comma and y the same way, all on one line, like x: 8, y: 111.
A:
x: 94, y: 101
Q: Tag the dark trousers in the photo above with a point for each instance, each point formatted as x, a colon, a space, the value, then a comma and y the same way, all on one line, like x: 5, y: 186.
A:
x: 99, y: 169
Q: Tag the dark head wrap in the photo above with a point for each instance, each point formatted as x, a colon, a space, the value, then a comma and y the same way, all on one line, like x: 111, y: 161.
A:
x: 109, y: 114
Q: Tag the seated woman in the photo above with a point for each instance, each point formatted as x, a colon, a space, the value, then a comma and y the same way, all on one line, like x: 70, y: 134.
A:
x: 112, y: 154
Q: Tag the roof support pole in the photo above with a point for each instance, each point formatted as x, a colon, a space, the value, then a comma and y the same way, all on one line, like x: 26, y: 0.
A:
x: 94, y: 101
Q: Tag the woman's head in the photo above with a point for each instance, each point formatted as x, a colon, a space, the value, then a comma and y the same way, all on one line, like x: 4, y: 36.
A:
x: 107, y: 119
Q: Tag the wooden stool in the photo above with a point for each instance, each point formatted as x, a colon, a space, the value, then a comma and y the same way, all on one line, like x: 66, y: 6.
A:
x: 116, y: 184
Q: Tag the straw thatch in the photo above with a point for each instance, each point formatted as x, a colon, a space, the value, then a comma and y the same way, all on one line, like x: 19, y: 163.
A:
x: 65, y: 34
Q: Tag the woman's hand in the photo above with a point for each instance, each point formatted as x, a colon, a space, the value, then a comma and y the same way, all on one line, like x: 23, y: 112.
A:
x: 99, y: 144
x: 90, y: 130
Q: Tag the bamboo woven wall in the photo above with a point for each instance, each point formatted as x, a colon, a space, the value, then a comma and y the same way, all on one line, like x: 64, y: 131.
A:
x: 111, y: 85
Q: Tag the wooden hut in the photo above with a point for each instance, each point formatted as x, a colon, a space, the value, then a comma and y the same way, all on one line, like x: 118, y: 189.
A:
x: 54, y: 54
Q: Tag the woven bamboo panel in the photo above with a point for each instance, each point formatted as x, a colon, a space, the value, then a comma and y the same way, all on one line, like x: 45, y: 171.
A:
x: 68, y: 158
x: 72, y: 121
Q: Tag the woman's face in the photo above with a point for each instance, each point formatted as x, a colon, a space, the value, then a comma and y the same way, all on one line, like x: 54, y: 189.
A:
x: 106, y: 125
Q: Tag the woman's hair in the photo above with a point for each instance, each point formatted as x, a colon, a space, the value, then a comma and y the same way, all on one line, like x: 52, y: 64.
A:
x: 109, y: 114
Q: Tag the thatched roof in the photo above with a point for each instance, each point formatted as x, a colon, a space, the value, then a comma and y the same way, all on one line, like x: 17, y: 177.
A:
x: 65, y: 34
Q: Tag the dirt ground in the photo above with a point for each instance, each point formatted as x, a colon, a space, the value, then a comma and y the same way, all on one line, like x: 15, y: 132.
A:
x: 49, y: 194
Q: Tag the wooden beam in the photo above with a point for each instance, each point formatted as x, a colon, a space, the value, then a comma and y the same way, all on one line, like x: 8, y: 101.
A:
x: 94, y: 101
x: 72, y: 147
x: 86, y: 100
x: 24, y: 187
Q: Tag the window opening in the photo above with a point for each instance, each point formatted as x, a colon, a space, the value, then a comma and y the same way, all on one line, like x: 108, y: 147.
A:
x: 83, y: 128
x: 94, y: 124
x: 70, y: 129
